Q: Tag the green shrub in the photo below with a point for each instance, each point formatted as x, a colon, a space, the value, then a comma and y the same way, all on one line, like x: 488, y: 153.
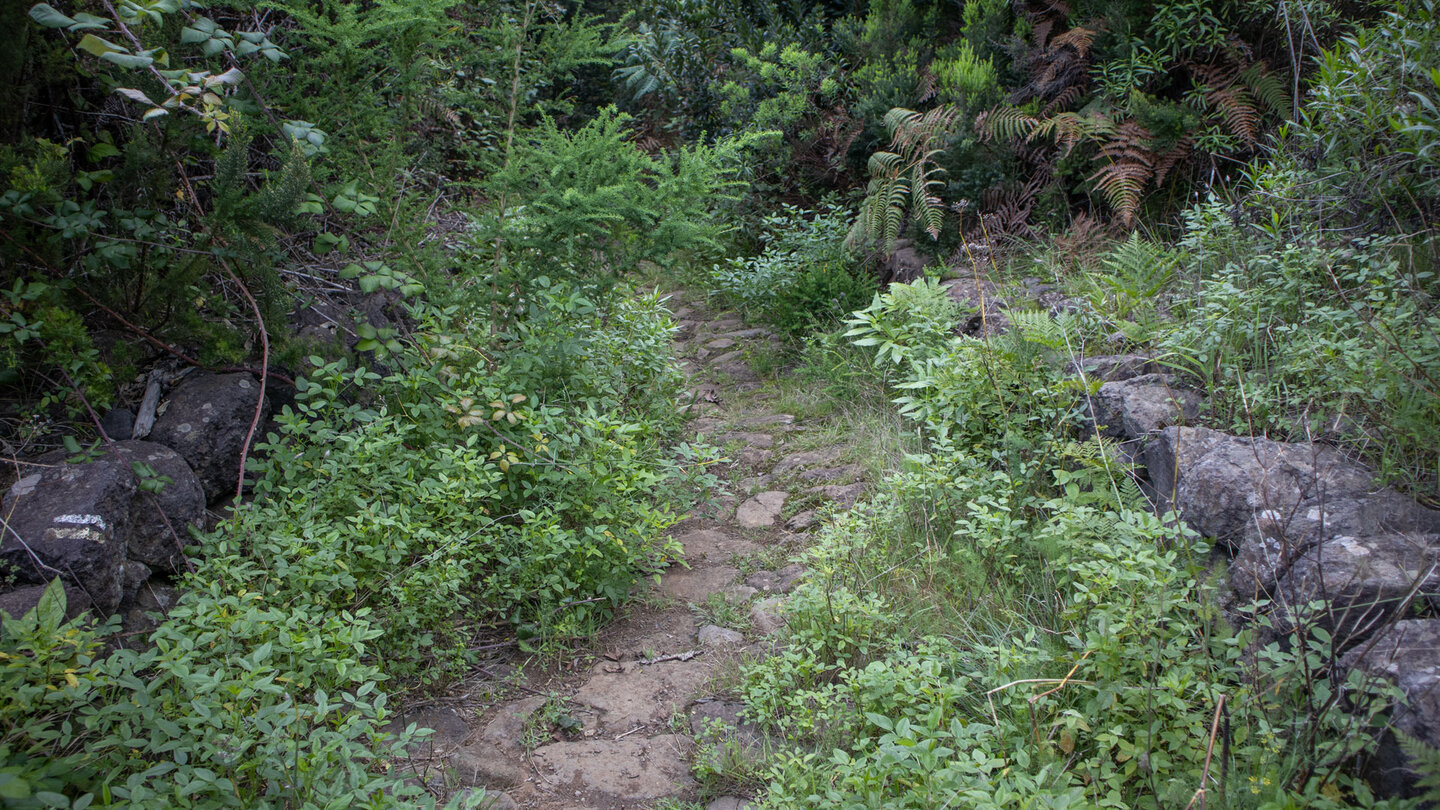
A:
x: 1082, y: 659
x: 819, y: 296
x: 236, y: 705
x: 803, y: 277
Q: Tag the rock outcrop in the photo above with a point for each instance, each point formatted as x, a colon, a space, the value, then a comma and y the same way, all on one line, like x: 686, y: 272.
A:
x: 95, y: 526
x: 206, y: 420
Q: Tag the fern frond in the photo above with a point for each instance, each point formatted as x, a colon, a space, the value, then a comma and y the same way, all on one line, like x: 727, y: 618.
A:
x: 1078, y: 38
x: 1424, y: 763
x: 1140, y: 269
x: 1268, y: 88
x: 1241, y: 115
x: 1172, y: 157
x: 906, y: 177
x: 1035, y: 326
x: 1069, y: 129
x: 1131, y: 165
x: 1005, y: 124
x: 1064, y: 99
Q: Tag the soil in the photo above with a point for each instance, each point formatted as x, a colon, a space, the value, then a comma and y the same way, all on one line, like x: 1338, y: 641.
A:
x: 616, y: 723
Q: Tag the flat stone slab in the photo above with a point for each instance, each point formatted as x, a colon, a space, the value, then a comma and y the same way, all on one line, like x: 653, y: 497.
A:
x: 765, y: 616
x: 748, y: 334
x: 809, y: 458
x: 720, y: 343
x: 632, y: 694
x: 480, y: 764
x: 507, y: 729
x: 712, y: 635
x: 844, y: 494
x: 625, y: 770
x: 781, y: 581
x: 765, y: 420
x: 724, y: 325
x: 801, y: 521
x: 714, y: 544
x: 762, y: 510
x: 760, y: 440
x: 695, y: 584
x: 849, y: 471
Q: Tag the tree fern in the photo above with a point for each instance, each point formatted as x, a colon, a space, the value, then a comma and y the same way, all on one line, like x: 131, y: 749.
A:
x: 905, y: 179
x: 1139, y: 268
x: 1006, y: 124
x: 1268, y: 88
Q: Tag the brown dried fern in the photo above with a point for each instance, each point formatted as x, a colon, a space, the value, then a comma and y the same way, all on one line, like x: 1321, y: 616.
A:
x: 1130, y: 166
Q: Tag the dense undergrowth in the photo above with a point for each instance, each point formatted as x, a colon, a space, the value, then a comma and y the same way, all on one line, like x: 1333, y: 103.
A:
x: 1007, y: 622
x: 1245, y: 190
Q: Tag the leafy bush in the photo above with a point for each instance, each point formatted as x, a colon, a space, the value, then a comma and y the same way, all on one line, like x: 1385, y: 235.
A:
x: 803, y: 277
x: 1082, y: 660
x: 1301, y: 336
x: 822, y: 294
x: 236, y: 705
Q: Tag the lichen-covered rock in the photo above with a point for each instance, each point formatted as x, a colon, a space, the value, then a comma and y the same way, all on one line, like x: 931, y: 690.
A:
x: 1137, y: 407
x: 206, y: 420
x: 159, y: 523
x: 72, y: 521
x: 1407, y: 654
x: 904, y: 264
x: 762, y: 510
x: 986, y: 316
x: 1115, y: 367
x: 1238, y: 489
x: 718, y: 637
x: 1362, y: 581
x: 22, y: 600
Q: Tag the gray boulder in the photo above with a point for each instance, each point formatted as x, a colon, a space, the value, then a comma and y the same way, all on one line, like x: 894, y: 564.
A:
x: 904, y: 264
x: 1238, y: 490
x: 206, y: 421
x: 980, y: 297
x: 1115, y: 367
x: 1361, y: 581
x: 1130, y: 409
x: 118, y: 423
x: 1408, y: 655
x: 22, y: 600
x: 180, y: 505
x: 71, y: 521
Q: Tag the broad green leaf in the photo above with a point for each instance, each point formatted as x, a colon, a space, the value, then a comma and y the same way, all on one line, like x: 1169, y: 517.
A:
x: 51, y: 609
x: 134, y: 95
x: 46, y: 15
x: 127, y: 60
x: 92, y: 44
x: 326, y: 242
x: 85, y: 22
x: 13, y: 787
x: 102, y: 150
x: 154, y: 112
x: 230, y: 77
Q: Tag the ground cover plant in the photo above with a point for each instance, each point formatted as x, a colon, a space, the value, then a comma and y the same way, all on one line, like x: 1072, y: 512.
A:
x: 1245, y: 192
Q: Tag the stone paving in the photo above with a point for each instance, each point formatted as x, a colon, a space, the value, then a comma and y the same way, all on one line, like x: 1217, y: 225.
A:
x: 644, y: 690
